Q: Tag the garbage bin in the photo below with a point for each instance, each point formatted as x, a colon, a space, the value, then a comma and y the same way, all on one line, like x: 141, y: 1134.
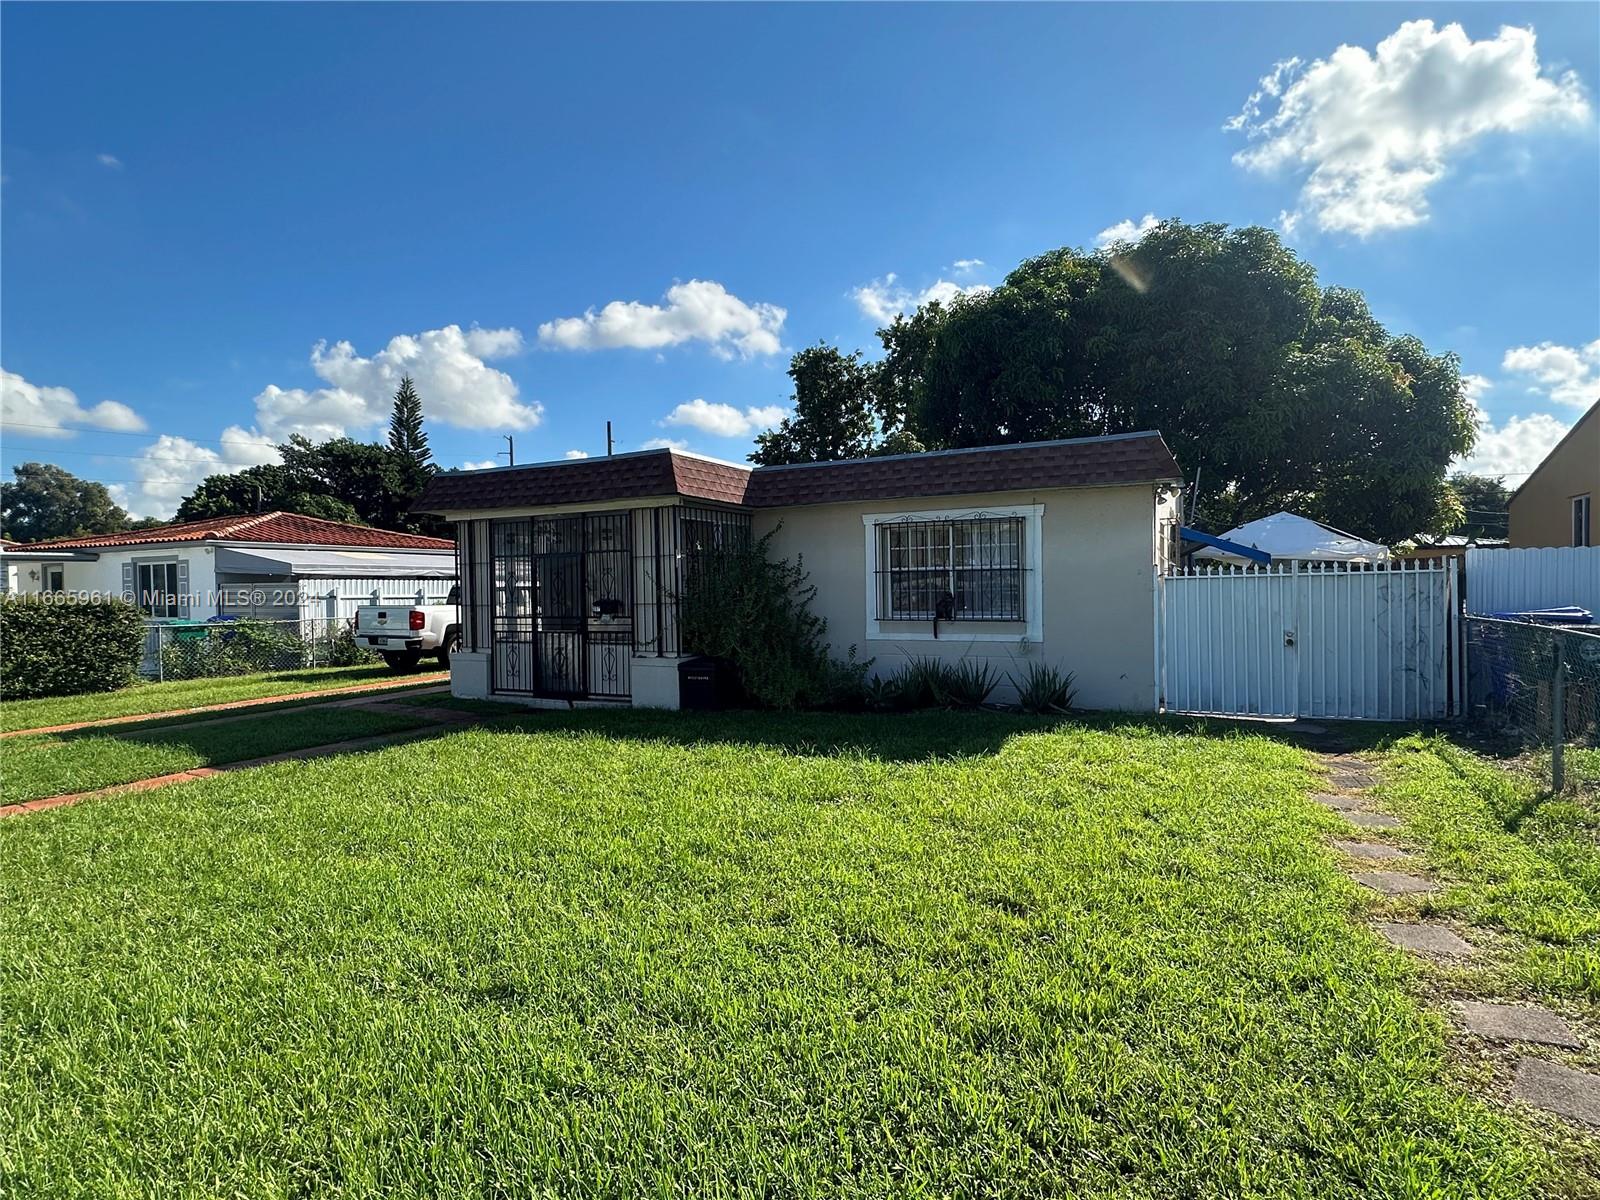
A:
x: 704, y: 684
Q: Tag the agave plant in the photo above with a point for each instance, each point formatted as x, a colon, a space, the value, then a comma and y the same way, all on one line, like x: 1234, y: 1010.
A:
x: 1044, y: 689
x: 967, y: 685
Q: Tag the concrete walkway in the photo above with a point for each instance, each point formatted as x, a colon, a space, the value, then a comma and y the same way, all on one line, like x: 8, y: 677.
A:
x: 399, y: 684
x: 446, y: 720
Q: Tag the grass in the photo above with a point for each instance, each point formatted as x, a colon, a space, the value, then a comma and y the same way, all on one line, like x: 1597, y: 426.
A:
x: 144, y: 698
x: 1518, y: 859
x: 654, y: 954
x: 55, y: 764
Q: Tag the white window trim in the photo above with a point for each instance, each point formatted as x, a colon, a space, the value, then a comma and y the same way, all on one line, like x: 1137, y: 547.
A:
x: 165, y: 560
x: 1585, y: 503
x: 1029, y: 629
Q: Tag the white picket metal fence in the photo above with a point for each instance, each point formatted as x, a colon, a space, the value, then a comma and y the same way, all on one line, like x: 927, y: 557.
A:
x: 1503, y: 580
x: 1311, y: 640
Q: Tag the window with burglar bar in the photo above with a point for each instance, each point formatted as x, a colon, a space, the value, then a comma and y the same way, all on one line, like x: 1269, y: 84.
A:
x: 968, y: 569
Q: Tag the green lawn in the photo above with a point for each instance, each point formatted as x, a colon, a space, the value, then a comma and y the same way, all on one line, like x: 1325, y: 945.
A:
x: 652, y: 954
x: 186, y: 693
x: 53, y: 764
x: 1520, y: 860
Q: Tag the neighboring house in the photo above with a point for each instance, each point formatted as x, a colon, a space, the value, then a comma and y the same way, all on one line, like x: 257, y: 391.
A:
x: 275, y: 565
x: 1555, y: 505
x: 1289, y: 537
x: 1043, y: 552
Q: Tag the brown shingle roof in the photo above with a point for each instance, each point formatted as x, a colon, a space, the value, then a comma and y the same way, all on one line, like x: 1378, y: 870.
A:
x: 1078, y: 462
x: 274, y: 528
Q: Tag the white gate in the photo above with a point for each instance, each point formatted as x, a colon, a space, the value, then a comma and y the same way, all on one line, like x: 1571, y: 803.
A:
x: 1311, y: 640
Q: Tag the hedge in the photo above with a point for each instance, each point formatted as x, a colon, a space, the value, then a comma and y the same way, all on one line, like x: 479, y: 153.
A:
x: 62, y: 646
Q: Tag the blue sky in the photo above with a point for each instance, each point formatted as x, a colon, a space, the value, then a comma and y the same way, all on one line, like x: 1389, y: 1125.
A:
x: 196, y: 198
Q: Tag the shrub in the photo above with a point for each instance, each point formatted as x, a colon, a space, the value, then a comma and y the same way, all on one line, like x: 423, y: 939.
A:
x: 1044, y: 689
x: 61, y: 646
x: 234, y: 648
x: 754, y: 612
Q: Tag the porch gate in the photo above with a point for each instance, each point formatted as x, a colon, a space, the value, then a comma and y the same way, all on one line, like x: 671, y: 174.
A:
x: 1311, y: 640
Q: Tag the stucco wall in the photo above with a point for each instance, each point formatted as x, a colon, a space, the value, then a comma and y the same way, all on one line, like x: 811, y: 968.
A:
x: 104, y: 575
x: 1098, y: 547
x: 1541, y: 512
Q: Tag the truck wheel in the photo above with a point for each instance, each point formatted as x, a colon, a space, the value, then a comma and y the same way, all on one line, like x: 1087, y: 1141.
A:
x: 452, y: 643
x: 402, y: 660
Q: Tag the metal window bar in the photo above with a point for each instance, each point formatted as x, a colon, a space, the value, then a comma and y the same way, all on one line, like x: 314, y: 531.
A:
x: 967, y: 569
x: 680, y: 539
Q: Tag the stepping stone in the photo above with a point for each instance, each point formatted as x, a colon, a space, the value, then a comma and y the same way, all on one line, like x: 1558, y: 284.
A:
x: 1353, y: 779
x: 1517, y: 1023
x: 1373, y: 820
x: 1369, y: 850
x: 1558, y: 1089
x: 1394, y: 883
x: 1337, y: 802
x: 1424, y: 939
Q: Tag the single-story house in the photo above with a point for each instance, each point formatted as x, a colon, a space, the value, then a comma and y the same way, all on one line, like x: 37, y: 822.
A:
x: 273, y: 566
x: 1289, y: 538
x: 1008, y: 555
x: 1555, y: 505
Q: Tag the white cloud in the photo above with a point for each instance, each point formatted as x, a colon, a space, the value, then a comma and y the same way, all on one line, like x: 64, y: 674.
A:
x: 700, y: 310
x: 109, y: 160
x: 480, y: 464
x: 665, y: 444
x: 576, y: 454
x: 172, y: 466
x: 724, y: 420
x: 49, y: 412
x: 1373, y: 132
x: 448, y: 365
x: 458, y: 387
x: 884, y: 299
x: 1474, y: 387
x: 1126, y: 230
x: 1568, y: 375
x: 1515, y: 448
x: 965, y: 266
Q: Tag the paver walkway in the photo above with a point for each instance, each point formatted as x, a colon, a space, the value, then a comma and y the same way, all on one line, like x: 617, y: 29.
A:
x: 1553, y: 1087
x: 406, y: 683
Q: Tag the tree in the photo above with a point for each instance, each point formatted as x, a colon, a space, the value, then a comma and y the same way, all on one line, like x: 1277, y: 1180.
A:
x: 341, y: 480
x: 46, y: 501
x: 1274, y: 392
x: 266, y: 488
x: 406, y: 434
x: 833, y: 410
x: 1485, y: 504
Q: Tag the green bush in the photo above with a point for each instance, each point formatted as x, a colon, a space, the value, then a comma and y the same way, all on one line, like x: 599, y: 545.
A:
x: 61, y: 646
x: 235, y: 648
x: 754, y: 612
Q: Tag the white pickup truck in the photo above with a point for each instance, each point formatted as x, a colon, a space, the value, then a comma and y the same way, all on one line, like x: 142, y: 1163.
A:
x: 403, y: 634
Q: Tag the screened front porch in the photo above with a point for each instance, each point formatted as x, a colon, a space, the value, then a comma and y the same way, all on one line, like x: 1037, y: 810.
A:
x: 565, y: 606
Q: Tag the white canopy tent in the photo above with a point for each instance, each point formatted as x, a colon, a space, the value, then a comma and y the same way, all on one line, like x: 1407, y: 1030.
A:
x: 1292, y: 538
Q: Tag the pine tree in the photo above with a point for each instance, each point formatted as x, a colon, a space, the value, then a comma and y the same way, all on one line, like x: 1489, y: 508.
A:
x: 405, y: 426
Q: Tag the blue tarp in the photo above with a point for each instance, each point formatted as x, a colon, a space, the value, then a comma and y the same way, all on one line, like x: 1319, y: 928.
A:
x: 1205, y: 539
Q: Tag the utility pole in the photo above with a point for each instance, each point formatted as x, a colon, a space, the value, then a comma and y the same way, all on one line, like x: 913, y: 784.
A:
x: 608, y: 439
x: 510, y: 451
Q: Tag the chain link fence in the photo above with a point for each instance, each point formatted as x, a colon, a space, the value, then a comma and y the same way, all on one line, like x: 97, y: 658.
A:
x: 248, y: 645
x: 1538, y: 684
